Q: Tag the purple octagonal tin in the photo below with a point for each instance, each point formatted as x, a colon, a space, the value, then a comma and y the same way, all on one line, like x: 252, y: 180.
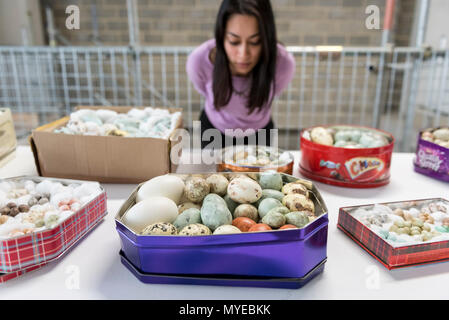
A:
x: 432, y: 159
x: 289, y: 253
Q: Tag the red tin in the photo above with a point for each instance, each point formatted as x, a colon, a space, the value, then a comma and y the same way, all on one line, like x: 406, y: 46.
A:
x: 391, y: 257
x: 19, y: 254
x: 346, y: 167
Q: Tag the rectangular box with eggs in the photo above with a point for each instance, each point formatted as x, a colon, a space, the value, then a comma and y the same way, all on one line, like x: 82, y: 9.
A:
x: 27, y: 252
x: 399, y: 255
x: 108, y: 159
x: 278, y: 258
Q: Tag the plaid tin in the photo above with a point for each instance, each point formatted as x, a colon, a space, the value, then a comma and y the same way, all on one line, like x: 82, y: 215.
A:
x: 389, y: 256
x: 20, y: 253
x: 12, y: 275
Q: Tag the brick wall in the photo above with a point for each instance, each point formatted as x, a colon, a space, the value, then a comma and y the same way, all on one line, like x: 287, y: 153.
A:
x: 190, y: 22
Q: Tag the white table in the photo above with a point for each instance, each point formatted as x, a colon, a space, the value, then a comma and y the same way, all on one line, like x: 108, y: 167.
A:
x: 92, y: 269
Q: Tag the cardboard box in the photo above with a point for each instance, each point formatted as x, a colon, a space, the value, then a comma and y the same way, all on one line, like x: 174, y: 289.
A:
x: 8, y: 140
x: 106, y: 159
x: 392, y: 257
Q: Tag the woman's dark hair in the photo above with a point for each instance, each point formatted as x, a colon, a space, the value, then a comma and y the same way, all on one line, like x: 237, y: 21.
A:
x: 262, y: 75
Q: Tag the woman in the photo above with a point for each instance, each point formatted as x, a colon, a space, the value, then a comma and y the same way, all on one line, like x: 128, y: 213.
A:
x: 240, y: 71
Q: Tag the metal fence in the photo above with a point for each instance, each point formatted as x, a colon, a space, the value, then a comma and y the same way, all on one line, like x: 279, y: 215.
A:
x: 400, y: 90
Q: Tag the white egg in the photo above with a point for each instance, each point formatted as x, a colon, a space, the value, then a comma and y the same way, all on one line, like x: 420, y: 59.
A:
x: 168, y: 186
x: 148, y: 211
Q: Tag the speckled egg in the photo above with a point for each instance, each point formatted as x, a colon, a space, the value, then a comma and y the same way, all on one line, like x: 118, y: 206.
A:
x: 282, y: 210
x: 293, y: 187
x: 442, y: 134
x: 288, y: 226
x: 260, y: 227
x: 270, y: 180
x: 274, y: 219
x: 246, y: 210
x: 196, y: 189
x: 218, y: 184
x: 227, y: 229
x: 189, y: 216
x: 298, y: 202
x: 161, y: 228
x: 243, y: 223
x: 230, y: 203
x: 297, y: 218
x: 243, y: 190
x: 149, y: 211
x: 195, y: 229
x: 267, y: 204
x: 188, y: 205
x: 322, y: 136
x: 215, y: 212
x: 169, y: 186
x: 270, y: 193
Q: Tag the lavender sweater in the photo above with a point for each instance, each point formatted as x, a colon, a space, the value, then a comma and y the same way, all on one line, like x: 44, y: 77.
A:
x: 235, y: 115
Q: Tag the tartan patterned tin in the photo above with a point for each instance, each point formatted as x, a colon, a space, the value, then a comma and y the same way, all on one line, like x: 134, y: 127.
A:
x: 431, y: 159
x: 391, y: 257
x: 36, y: 248
x: 12, y: 275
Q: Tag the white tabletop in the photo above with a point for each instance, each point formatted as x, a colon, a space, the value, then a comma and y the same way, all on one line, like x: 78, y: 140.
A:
x: 92, y: 269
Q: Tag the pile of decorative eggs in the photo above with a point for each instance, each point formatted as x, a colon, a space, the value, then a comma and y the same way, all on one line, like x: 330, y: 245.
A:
x: 257, y: 156
x: 27, y: 206
x: 439, y: 136
x: 346, y: 137
x: 407, y: 223
x: 147, y: 122
x: 219, y: 204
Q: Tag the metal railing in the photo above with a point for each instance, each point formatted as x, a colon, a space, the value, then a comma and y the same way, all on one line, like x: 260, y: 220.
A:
x: 400, y: 90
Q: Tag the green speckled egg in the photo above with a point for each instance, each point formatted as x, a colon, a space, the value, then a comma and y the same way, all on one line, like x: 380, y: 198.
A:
x: 282, y: 209
x: 297, y: 218
x: 274, y: 219
x: 189, y: 216
x: 267, y: 204
x: 270, y: 180
x: 215, y: 212
x: 230, y: 203
x: 270, y: 193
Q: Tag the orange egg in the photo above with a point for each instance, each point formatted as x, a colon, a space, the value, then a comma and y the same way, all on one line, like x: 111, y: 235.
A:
x: 260, y: 227
x: 243, y: 223
x: 288, y: 226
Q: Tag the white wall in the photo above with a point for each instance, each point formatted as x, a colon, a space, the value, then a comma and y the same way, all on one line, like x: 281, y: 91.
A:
x: 21, y: 22
x: 438, y: 23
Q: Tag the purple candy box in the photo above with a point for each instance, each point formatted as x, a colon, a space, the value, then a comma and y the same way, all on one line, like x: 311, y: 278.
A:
x: 264, y: 259
x: 432, y: 159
